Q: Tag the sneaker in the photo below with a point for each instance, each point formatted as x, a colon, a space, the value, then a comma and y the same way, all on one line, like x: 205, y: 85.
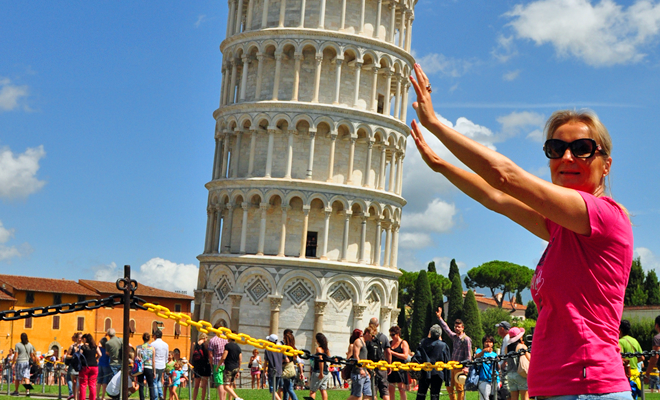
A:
x: 14, y: 394
x: 27, y: 394
x: 70, y: 397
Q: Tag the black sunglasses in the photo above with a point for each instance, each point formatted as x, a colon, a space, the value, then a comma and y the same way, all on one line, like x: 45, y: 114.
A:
x: 581, y: 148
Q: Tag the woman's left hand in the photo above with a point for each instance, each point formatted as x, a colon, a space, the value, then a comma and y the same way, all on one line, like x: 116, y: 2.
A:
x: 428, y: 155
x: 423, y: 106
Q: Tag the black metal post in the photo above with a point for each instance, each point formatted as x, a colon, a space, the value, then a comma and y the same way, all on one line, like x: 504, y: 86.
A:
x: 126, y: 332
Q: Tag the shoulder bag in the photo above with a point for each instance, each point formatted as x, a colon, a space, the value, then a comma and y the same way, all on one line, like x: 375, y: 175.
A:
x: 523, y: 364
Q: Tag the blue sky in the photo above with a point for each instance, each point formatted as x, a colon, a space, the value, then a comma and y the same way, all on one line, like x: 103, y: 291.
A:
x: 106, y: 128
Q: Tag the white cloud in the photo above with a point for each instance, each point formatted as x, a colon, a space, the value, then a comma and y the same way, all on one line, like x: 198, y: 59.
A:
x: 11, y: 95
x: 201, y: 18
x: 9, y: 252
x: 511, y: 76
x: 18, y: 172
x: 438, y: 217
x: 505, y: 49
x: 5, y: 234
x: 600, y: 34
x: 649, y: 260
x: 415, y: 241
x: 514, y: 123
x: 157, y: 272
x: 438, y: 63
x: 442, y: 265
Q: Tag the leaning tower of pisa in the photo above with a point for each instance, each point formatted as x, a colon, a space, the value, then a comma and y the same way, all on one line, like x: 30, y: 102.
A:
x: 304, y: 203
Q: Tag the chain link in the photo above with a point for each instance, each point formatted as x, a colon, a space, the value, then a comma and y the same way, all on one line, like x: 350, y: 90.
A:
x: 66, y: 308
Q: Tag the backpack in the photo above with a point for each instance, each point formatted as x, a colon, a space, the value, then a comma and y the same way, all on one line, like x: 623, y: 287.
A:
x: 198, y: 355
x: 375, y: 350
x: 77, y: 361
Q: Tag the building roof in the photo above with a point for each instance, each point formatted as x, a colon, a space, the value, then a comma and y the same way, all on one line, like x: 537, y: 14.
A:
x: 5, y: 297
x: 48, y: 285
x: 481, y: 298
x: 142, y: 290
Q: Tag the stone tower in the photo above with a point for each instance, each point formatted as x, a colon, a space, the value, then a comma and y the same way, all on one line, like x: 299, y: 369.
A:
x: 304, y: 203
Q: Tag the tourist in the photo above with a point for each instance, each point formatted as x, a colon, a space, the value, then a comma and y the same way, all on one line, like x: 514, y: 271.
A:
x: 255, y: 368
x: 287, y: 383
x: 146, y: 353
x: 378, y: 349
x: 399, y: 350
x: 580, y: 281
x: 105, y: 373
x: 629, y: 344
x: 319, y: 376
x: 232, y: 358
x: 486, y: 369
x: 462, y: 350
x: 274, y: 367
x: 175, y: 376
x: 653, y: 361
x: 89, y: 371
x: 515, y: 383
x: 216, y: 349
x: 161, y: 350
x: 113, y: 348
x: 24, y: 351
x: 432, y: 349
x: 72, y: 374
x: 357, y: 349
x: 201, y: 365
x: 167, y: 375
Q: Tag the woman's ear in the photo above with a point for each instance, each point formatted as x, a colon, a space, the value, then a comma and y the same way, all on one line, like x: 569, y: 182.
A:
x: 606, y: 167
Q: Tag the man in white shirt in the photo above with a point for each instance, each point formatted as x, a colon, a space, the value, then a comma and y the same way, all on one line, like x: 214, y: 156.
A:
x: 503, y: 331
x: 160, y: 360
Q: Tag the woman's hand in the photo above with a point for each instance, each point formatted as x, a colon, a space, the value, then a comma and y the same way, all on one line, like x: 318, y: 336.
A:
x: 428, y: 155
x: 423, y: 106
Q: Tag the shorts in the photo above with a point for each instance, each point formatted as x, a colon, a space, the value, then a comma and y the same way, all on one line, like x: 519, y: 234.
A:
x: 318, y: 384
x: 255, y: 371
x: 203, y: 370
x: 515, y: 382
x: 105, y: 375
x: 361, y: 385
x: 23, y: 370
x: 381, y: 383
x: 229, y: 375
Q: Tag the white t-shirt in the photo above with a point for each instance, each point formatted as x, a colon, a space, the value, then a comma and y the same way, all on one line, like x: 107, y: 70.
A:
x: 161, y: 349
x: 114, y: 387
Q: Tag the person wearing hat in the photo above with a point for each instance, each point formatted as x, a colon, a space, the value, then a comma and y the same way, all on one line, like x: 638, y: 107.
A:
x: 274, y: 361
x: 516, y: 384
x: 503, y: 331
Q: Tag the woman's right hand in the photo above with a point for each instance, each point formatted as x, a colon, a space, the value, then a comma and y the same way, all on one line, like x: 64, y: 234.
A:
x: 423, y: 106
x: 428, y: 155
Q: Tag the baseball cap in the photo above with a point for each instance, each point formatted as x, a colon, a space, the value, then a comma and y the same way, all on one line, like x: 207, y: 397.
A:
x: 504, y: 325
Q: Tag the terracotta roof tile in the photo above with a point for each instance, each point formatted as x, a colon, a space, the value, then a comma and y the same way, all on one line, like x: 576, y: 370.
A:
x: 47, y: 285
x: 142, y: 290
x: 5, y: 297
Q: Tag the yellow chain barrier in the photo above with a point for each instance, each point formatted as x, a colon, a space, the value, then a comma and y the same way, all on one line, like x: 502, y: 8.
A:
x: 226, y: 333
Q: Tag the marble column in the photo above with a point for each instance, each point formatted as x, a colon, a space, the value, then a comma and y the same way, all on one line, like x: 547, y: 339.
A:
x: 319, y: 309
x: 322, y: 15
x: 358, y: 69
x: 342, y: 20
x: 229, y: 222
x: 395, y: 246
x: 388, y: 244
x: 239, y: 17
x: 236, y: 153
x: 374, y: 89
x: 262, y: 229
x: 392, y: 184
x: 217, y: 233
x: 296, y: 76
x: 404, y: 101
x: 244, y: 78
x: 223, y: 87
x: 225, y: 155
x: 397, y: 97
x: 232, y: 85
x: 400, y: 177
x: 209, y: 230
x: 303, y: 235
x: 246, y: 207
x: 230, y: 18
x: 347, y: 225
x: 388, y: 92
x: 392, y: 21
x: 331, y: 159
x: 235, y: 323
x: 409, y: 32
x: 376, y: 251
x: 395, y: 315
x: 366, y: 179
x: 289, y: 154
x: 362, y: 11
x: 248, y: 19
x: 269, y: 155
x: 402, y: 28
x: 253, y: 144
x: 379, y: 11
x: 381, y: 173
x: 310, y: 163
x: 363, y: 238
x: 260, y: 69
x: 317, y: 78
x: 275, y: 304
x: 358, y: 314
x: 338, y: 61
x: 280, y: 24
x: 302, y: 14
x: 326, y: 232
x: 278, y: 69
x: 384, y: 317
x: 264, y: 15
x: 217, y: 158
x: 280, y: 253
x: 351, y: 161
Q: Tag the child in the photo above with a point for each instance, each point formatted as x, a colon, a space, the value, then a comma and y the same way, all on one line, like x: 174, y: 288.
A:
x: 654, y: 382
x: 176, y: 380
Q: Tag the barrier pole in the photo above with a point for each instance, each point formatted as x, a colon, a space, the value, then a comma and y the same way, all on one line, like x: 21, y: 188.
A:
x: 126, y: 332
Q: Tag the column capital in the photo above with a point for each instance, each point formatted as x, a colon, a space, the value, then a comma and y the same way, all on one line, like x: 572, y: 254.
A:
x: 263, y: 207
x: 339, y: 60
x: 364, y: 217
x: 275, y: 302
x: 272, y: 131
x: 319, y: 306
x: 297, y: 56
x: 375, y: 70
x: 306, y: 208
x: 236, y: 299
x: 292, y: 131
x: 278, y: 55
x: 359, y: 64
x: 333, y: 134
x: 384, y: 310
x: 260, y: 56
x: 245, y: 205
x: 245, y: 58
x: 209, y: 210
x: 286, y: 209
x: 348, y: 213
x: 227, y: 206
x: 370, y: 143
x: 312, y: 133
x: 319, y: 58
x: 358, y: 310
x: 395, y: 315
x: 328, y: 211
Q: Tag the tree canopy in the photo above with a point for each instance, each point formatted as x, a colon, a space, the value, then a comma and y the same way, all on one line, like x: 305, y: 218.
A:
x: 472, y: 318
x: 531, y: 312
x: 652, y: 288
x: 455, y: 299
x: 421, y: 318
x: 500, y: 276
x: 635, y: 293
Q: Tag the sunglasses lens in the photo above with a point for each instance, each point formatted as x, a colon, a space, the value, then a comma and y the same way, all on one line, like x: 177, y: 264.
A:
x: 583, y: 148
x: 555, y: 148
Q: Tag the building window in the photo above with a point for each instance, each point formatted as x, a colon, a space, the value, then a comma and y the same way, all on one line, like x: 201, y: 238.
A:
x: 29, y: 297
x: 82, y: 297
x: 177, y: 330
x: 177, y: 307
x: 381, y: 104
x: 312, y: 240
x: 57, y: 298
x: 56, y: 322
x: 157, y: 326
x: 28, y: 323
x: 107, y: 324
x: 80, y: 326
x: 131, y: 327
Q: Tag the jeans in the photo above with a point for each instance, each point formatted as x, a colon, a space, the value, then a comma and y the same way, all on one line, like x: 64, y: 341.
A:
x: 602, y: 396
x: 159, y: 382
x: 148, y: 374
x: 87, y: 377
x: 288, y: 390
x: 435, y: 383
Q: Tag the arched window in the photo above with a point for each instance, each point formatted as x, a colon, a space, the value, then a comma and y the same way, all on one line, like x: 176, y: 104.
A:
x: 131, y: 327
x: 107, y: 324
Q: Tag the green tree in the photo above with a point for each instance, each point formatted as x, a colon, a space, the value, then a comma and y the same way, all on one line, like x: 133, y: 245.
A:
x: 455, y: 299
x: 652, y: 288
x: 643, y: 330
x: 407, y: 283
x: 402, y: 321
x: 472, y: 318
x: 491, y: 317
x: 531, y: 312
x: 407, y: 287
x: 439, y: 286
x: 421, y: 312
x: 634, y: 289
x: 431, y: 267
x: 519, y: 298
x: 453, y: 270
x: 500, y: 276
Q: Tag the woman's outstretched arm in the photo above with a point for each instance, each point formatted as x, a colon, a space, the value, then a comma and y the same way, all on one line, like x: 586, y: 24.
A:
x: 561, y: 205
